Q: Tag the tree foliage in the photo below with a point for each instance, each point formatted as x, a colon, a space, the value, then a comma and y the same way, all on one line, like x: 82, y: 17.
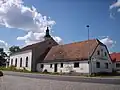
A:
x: 2, y: 57
x: 14, y: 49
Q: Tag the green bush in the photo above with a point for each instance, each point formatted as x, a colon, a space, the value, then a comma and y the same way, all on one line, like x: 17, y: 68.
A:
x: 13, y: 68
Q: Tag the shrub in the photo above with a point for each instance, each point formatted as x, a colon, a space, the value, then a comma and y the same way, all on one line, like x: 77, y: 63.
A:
x: 13, y: 68
x: 1, y: 73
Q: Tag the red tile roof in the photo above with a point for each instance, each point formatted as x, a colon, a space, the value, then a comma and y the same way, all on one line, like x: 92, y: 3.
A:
x: 73, y: 51
x: 115, y: 57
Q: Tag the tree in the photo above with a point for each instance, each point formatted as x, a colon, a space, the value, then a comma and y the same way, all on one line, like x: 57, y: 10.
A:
x: 14, y: 49
x: 2, y: 57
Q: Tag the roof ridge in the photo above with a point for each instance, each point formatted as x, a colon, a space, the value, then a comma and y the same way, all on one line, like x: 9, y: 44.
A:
x: 74, y: 43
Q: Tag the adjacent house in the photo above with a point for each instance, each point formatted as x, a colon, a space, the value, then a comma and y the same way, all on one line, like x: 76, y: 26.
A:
x: 84, y: 57
x: 29, y: 56
x: 116, y: 61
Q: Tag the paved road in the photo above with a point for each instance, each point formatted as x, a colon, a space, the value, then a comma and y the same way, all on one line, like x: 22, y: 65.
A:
x: 112, y: 81
x: 9, y: 82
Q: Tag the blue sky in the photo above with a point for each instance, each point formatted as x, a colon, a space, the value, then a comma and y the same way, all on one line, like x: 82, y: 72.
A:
x: 71, y: 17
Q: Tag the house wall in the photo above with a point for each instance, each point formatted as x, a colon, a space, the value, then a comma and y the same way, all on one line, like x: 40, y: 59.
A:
x: 102, y: 59
x: 67, y: 67
x: 40, y: 52
x: 22, y: 55
x: 115, y: 67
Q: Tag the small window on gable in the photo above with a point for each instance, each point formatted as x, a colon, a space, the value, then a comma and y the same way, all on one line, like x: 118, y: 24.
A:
x: 98, y: 52
x: 97, y: 64
x: 105, y: 53
x: 76, y: 64
x: 101, y: 50
x: 50, y: 65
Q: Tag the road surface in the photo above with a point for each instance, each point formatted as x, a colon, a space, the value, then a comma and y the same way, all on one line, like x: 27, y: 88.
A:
x: 9, y: 82
x: 66, y: 78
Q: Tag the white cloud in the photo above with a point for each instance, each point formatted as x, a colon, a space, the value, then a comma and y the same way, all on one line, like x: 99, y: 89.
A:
x: 58, y: 39
x: 3, y: 45
x: 108, y: 42
x: 115, y: 7
x: 14, y: 14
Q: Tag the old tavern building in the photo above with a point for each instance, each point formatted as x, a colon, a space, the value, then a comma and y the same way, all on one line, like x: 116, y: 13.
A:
x: 84, y: 57
x: 28, y: 57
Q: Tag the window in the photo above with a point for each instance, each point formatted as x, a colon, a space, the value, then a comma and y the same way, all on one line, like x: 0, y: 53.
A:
x: 42, y: 65
x: 16, y: 62
x: 105, y: 53
x: 20, y: 62
x: 50, y: 65
x: 76, y: 64
x: 117, y: 65
x: 97, y: 64
x: 26, y: 62
x: 106, y: 65
x: 98, y: 52
x: 61, y: 65
x: 101, y: 50
x: 11, y: 61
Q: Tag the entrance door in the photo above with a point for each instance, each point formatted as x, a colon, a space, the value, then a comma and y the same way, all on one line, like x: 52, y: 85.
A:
x: 55, y: 68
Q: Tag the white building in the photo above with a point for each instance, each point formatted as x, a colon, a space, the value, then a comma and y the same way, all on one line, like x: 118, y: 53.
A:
x: 29, y: 56
x: 84, y: 57
x: 115, y: 57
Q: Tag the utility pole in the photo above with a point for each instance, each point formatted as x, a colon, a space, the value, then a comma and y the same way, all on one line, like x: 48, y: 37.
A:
x: 90, y: 63
x: 88, y: 30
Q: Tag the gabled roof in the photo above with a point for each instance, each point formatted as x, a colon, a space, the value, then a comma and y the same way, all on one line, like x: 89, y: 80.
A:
x: 115, y: 57
x: 39, y: 44
x: 73, y: 51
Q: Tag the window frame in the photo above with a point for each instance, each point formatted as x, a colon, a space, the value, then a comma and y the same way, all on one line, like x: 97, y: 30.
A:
x: 61, y: 65
x: 16, y: 62
x: 117, y: 65
x: 21, y: 62
x: 11, y: 62
x: 50, y: 65
x: 97, y: 64
x: 98, y: 52
x: 105, y: 53
x: 76, y: 65
x: 26, y: 63
x: 106, y: 65
x: 42, y: 66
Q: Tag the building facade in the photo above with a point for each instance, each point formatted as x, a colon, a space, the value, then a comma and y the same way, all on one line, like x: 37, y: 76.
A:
x: 115, y: 57
x: 28, y: 57
x: 82, y: 57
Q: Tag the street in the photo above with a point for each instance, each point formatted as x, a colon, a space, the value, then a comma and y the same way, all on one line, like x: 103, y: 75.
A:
x: 24, y: 81
x: 66, y: 78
